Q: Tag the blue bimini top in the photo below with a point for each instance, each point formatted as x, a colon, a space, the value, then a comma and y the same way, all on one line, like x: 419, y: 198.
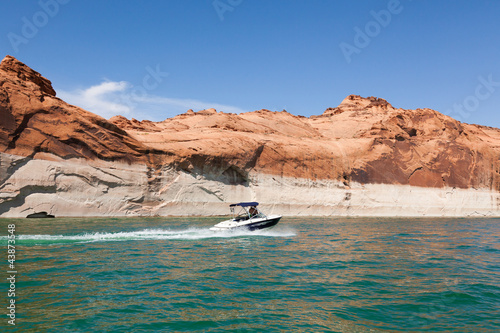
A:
x: 245, y: 204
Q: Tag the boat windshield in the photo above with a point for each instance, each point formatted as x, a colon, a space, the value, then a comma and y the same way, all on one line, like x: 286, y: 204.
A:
x: 245, y: 213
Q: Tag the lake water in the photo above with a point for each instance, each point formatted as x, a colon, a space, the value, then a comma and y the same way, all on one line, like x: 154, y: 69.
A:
x: 305, y: 275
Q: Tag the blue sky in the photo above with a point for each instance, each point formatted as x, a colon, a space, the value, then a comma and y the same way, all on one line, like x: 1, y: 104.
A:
x: 155, y: 59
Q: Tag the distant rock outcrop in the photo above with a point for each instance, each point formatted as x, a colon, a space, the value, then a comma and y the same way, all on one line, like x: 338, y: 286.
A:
x: 138, y: 167
x: 40, y: 215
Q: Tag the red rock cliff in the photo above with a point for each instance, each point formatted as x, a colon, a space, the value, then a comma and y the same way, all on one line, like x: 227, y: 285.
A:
x: 364, y: 140
x: 34, y: 121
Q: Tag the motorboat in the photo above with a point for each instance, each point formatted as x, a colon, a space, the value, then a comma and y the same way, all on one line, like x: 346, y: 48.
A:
x: 246, y: 216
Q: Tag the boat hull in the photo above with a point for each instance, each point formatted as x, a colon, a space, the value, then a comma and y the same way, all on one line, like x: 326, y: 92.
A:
x: 247, y: 225
x: 263, y: 224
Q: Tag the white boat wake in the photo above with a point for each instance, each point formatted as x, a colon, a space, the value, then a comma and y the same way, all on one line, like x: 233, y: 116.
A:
x: 148, y: 234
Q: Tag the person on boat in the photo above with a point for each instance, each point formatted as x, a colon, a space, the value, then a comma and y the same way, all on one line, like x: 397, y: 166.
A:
x: 253, y: 211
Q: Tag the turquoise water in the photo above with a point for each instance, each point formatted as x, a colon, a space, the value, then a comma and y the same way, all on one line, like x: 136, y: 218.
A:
x: 305, y: 275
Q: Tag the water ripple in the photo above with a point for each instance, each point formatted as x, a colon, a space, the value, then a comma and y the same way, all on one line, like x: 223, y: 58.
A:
x: 309, y: 275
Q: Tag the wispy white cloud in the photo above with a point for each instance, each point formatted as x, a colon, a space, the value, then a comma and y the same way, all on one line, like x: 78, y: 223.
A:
x: 110, y: 98
x: 100, y: 99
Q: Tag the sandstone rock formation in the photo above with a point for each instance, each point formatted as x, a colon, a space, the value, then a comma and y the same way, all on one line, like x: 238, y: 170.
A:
x: 34, y: 121
x: 365, y: 140
x: 364, y: 157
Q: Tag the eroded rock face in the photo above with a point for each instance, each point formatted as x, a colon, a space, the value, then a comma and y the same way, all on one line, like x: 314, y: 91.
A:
x: 34, y: 121
x: 196, y: 158
x: 365, y: 140
x: 78, y: 187
x: 12, y: 67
